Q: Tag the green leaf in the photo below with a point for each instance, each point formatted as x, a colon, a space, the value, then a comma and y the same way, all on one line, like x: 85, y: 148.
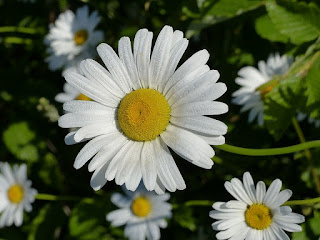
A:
x: 297, y: 20
x: 301, y: 235
x: 184, y: 217
x: 266, y: 29
x: 88, y: 221
x: 221, y: 10
x: 18, y: 139
x: 281, y: 104
x: 315, y: 225
x: 313, y: 82
x: 50, y: 172
x: 47, y: 223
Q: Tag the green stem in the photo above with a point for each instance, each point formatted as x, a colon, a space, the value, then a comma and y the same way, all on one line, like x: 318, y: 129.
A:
x: 302, y: 202
x: 50, y: 197
x: 269, y: 151
x: 16, y: 40
x: 9, y: 29
x: 308, y: 154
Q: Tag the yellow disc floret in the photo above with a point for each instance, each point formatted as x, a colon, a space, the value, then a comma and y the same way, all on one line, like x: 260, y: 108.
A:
x: 83, y: 97
x: 141, y: 206
x: 143, y: 114
x: 15, y: 193
x: 258, y: 216
x: 80, y: 37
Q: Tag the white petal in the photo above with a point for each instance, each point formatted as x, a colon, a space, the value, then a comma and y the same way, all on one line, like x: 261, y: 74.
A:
x: 282, y: 197
x: 79, y: 106
x: 117, y: 161
x: 194, y: 62
x: 160, y: 56
x: 120, y: 200
x: 89, y: 88
x: 175, y: 56
x: 98, y: 179
x: 125, y: 54
x: 83, y: 118
x: 153, y: 231
x: 260, y: 191
x: 141, y: 53
x: 199, y: 108
x: 195, y: 89
x: 119, y: 217
x: 115, y: 67
x: 272, y: 192
x: 96, y: 73
x: 133, y: 153
x: 89, y: 150
x: 186, y: 143
x: 249, y: 186
x: 116, y: 141
x: 148, y: 165
x: 201, y: 124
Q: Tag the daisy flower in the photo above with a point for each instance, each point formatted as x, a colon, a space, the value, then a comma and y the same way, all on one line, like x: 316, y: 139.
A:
x: 256, y: 83
x: 70, y: 93
x: 16, y: 194
x: 257, y: 213
x: 143, y: 212
x: 141, y: 106
x: 302, y: 116
x: 72, y: 38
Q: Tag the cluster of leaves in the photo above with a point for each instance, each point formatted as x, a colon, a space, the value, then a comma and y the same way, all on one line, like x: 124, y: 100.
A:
x: 236, y: 33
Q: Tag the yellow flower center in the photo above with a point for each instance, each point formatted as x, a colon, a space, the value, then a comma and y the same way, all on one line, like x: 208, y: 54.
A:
x: 258, y: 216
x: 141, y: 207
x: 15, y: 193
x: 83, y: 97
x: 143, y: 114
x: 80, y: 37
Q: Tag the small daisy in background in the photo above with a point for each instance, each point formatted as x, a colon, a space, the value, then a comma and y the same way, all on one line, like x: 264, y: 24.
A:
x: 257, y: 213
x: 72, y: 38
x: 16, y: 194
x: 143, y: 212
x: 141, y: 106
x: 255, y: 83
x: 70, y: 93
x: 302, y: 116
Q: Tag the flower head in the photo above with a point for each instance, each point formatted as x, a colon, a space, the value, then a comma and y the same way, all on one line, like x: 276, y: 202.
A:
x: 256, y: 84
x: 143, y: 212
x: 16, y: 194
x: 141, y: 105
x: 72, y: 38
x: 257, y: 213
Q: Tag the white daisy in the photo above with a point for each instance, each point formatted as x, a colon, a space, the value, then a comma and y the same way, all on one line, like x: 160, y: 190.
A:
x: 143, y: 212
x: 16, y: 194
x: 302, y: 116
x: 257, y: 214
x: 69, y: 94
x: 72, y: 38
x: 256, y: 83
x: 141, y: 106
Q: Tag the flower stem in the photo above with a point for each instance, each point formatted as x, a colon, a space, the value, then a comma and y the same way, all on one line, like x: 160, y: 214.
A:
x: 50, y: 197
x: 308, y: 154
x: 269, y: 151
x: 8, y: 29
x: 302, y: 202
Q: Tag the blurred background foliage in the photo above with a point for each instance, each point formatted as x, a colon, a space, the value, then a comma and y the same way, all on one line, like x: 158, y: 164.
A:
x: 236, y: 33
